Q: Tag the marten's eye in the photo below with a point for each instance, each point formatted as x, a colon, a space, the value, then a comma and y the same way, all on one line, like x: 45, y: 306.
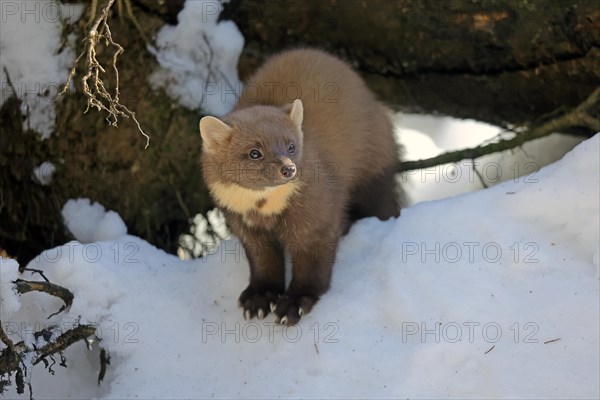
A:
x: 255, y: 154
x: 292, y: 148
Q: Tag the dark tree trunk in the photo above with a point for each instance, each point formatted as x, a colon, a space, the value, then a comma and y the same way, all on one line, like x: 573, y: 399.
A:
x: 506, y: 62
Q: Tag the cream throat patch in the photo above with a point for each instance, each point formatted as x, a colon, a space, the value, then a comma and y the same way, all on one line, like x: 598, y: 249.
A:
x: 268, y: 201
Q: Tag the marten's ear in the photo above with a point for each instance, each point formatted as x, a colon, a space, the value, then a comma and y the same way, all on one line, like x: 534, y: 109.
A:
x: 213, y: 132
x: 296, y: 113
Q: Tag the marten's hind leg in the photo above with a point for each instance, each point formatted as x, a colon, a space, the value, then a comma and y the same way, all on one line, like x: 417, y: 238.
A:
x: 379, y: 197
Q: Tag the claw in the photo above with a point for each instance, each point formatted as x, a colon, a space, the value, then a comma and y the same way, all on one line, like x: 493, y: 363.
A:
x: 273, y: 307
x: 283, y: 321
x: 247, y: 315
x: 300, y: 311
x: 261, y: 314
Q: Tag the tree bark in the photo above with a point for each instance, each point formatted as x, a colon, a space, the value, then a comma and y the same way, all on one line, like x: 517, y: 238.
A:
x: 506, y: 62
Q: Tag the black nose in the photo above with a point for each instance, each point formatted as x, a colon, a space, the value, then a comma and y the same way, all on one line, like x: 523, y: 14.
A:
x: 288, y: 171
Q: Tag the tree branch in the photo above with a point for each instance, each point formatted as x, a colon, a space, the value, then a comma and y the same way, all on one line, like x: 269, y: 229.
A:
x: 11, y: 357
x: 49, y: 288
x: 578, y: 117
x: 80, y: 332
x: 5, y: 339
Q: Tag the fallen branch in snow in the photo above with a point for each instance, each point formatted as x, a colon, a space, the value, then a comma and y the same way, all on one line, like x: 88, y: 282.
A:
x: 12, y: 357
x: 5, y: 339
x: 21, y: 356
x: 94, y: 87
x: 578, y: 117
x: 81, y: 332
x: 46, y: 287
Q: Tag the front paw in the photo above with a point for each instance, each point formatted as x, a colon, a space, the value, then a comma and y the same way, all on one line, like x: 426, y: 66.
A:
x: 289, y: 308
x: 257, y: 303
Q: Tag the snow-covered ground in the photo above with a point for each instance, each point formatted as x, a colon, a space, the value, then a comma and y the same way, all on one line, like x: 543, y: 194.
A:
x: 487, y: 294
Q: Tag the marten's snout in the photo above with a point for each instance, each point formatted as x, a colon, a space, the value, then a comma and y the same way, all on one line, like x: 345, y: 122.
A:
x: 288, y: 171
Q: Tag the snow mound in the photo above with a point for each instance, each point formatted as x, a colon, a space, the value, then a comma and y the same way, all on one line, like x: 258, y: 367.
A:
x: 91, y: 222
x: 490, y: 294
x: 199, y: 73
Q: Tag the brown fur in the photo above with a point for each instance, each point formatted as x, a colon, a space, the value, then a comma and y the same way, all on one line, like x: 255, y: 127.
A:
x: 344, y: 160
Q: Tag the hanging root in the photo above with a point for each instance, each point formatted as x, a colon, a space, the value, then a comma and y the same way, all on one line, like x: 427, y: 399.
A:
x: 93, y: 86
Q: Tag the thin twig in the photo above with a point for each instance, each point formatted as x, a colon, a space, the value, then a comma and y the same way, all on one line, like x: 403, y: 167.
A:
x: 478, y: 174
x: 136, y: 24
x: 552, y: 341
x: 37, y: 271
x: 4, y: 338
x: 93, y: 7
x: 208, y: 67
x: 182, y: 203
x: 9, y: 82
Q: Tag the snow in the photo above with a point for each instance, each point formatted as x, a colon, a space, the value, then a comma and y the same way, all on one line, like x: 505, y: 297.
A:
x: 425, y: 136
x: 487, y: 294
x: 90, y: 222
x: 447, y: 133
x: 8, y: 293
x: 44, y: 172
x: 201, y: 240
x: 31, y: 31
x: 198, y: 59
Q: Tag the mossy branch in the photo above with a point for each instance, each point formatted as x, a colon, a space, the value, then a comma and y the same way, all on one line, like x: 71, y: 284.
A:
x: 577, y: 117
x: 94, y: 88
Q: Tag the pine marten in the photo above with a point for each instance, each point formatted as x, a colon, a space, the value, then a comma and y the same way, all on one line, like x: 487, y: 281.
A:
x: 306, y: 151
